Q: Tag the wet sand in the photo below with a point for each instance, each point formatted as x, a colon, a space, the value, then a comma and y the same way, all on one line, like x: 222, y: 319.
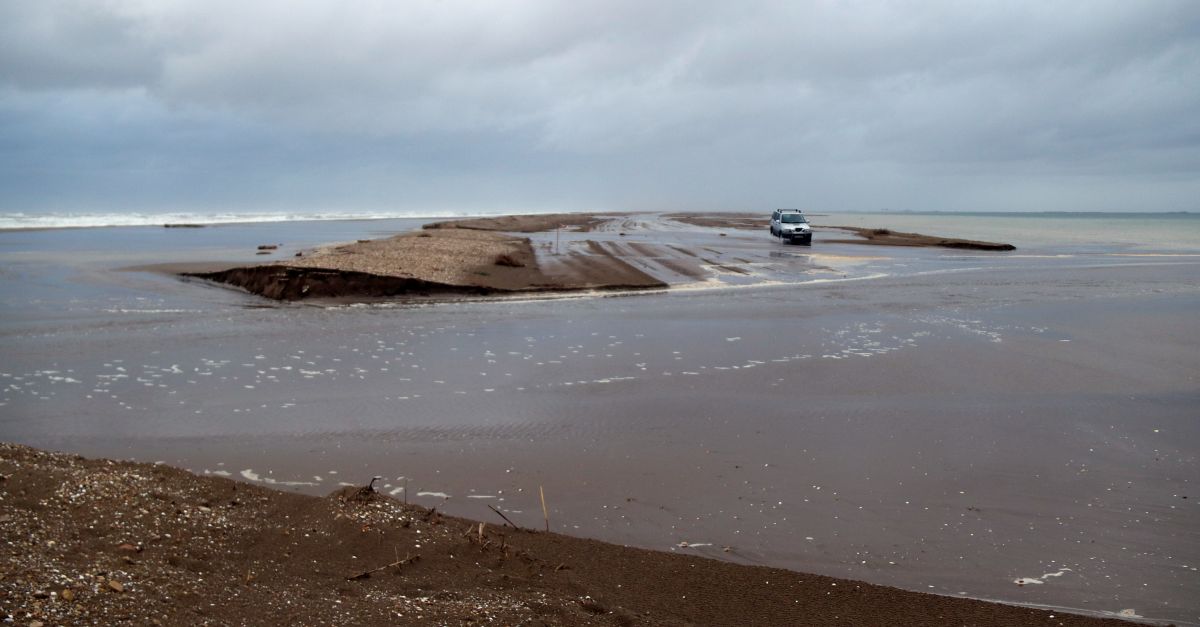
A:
x: 723, y: 220
x: 955, y: 422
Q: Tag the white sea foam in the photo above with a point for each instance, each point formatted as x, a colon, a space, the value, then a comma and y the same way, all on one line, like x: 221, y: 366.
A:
x: 1020, y: 581
x: 62, y: 220
x: 250, y: 475
x: 691, y: 545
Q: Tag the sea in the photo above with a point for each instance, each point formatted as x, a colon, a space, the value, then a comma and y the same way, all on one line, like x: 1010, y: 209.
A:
x: 1017, y: 426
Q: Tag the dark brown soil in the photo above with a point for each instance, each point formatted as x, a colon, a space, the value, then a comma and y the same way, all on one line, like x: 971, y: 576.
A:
x: 888, y: 237
x: 105, y: 542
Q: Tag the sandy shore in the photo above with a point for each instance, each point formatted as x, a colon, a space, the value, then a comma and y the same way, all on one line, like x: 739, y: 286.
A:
x: 101, y: 541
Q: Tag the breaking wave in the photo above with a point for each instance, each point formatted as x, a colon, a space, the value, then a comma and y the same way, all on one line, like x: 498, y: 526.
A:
x: 90, y: 220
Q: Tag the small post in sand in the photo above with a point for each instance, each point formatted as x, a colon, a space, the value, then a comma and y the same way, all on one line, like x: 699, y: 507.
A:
x: 556, y: 229
x: 545, y: 512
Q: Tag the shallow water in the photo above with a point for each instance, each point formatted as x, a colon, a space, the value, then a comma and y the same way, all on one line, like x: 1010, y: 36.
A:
x: 1061, y: 232
x: 946, y: 422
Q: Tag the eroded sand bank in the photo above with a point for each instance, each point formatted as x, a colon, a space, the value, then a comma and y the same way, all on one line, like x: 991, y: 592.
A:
x: 428, y: 262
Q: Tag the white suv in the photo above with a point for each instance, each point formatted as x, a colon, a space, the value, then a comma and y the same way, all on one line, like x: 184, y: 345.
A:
x: 790, y: 224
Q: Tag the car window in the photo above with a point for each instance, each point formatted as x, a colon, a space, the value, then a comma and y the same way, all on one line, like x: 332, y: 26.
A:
x: 792, y: 218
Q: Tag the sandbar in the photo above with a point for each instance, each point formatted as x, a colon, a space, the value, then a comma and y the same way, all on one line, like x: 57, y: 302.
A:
x: 519, y: 255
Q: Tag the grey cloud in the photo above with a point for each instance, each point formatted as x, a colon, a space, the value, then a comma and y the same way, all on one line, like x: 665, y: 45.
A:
x: 64, y: 44
x: 925, y: 105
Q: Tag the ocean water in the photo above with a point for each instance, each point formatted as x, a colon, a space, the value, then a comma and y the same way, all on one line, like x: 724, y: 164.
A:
x: 940, y: 420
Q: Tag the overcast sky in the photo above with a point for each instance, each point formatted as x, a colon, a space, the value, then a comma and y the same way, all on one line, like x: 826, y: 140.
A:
x: 614, y: 105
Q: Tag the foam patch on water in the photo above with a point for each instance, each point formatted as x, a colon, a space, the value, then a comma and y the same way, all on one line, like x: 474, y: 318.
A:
x: 1021, y: 581
x: 250, y: 475
x: 440, y: 495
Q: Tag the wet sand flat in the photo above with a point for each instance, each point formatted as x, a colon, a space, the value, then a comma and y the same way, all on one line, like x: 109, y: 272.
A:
x: 1011, y: 427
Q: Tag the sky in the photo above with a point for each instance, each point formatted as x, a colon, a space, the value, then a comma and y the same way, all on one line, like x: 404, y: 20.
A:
x: 532, y: 105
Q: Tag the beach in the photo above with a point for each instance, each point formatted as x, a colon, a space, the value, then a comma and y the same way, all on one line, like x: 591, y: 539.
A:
x: 109, y: 542
x: 1012, y: 426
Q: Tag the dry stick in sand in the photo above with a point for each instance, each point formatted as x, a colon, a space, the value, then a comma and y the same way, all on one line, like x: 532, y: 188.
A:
x: 545, y: 512
x: 514, y: 525
x: 367, y: 573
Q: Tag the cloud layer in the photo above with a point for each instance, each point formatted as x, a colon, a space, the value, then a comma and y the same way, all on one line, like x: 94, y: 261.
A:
x: 444, y: 104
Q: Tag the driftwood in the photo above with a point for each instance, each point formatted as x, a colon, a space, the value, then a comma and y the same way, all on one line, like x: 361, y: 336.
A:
x: 367, y: 573
x: 514, y: 525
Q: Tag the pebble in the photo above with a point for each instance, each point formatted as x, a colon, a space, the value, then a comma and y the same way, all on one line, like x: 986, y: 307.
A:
x: 68, y: 595
x: 116, y: 586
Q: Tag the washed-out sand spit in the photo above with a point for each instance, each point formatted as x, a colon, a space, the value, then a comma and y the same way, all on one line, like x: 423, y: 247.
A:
x: 723, y: 220
x: 107, y: 542
x: 534, y: 223
x: 485, y: 256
